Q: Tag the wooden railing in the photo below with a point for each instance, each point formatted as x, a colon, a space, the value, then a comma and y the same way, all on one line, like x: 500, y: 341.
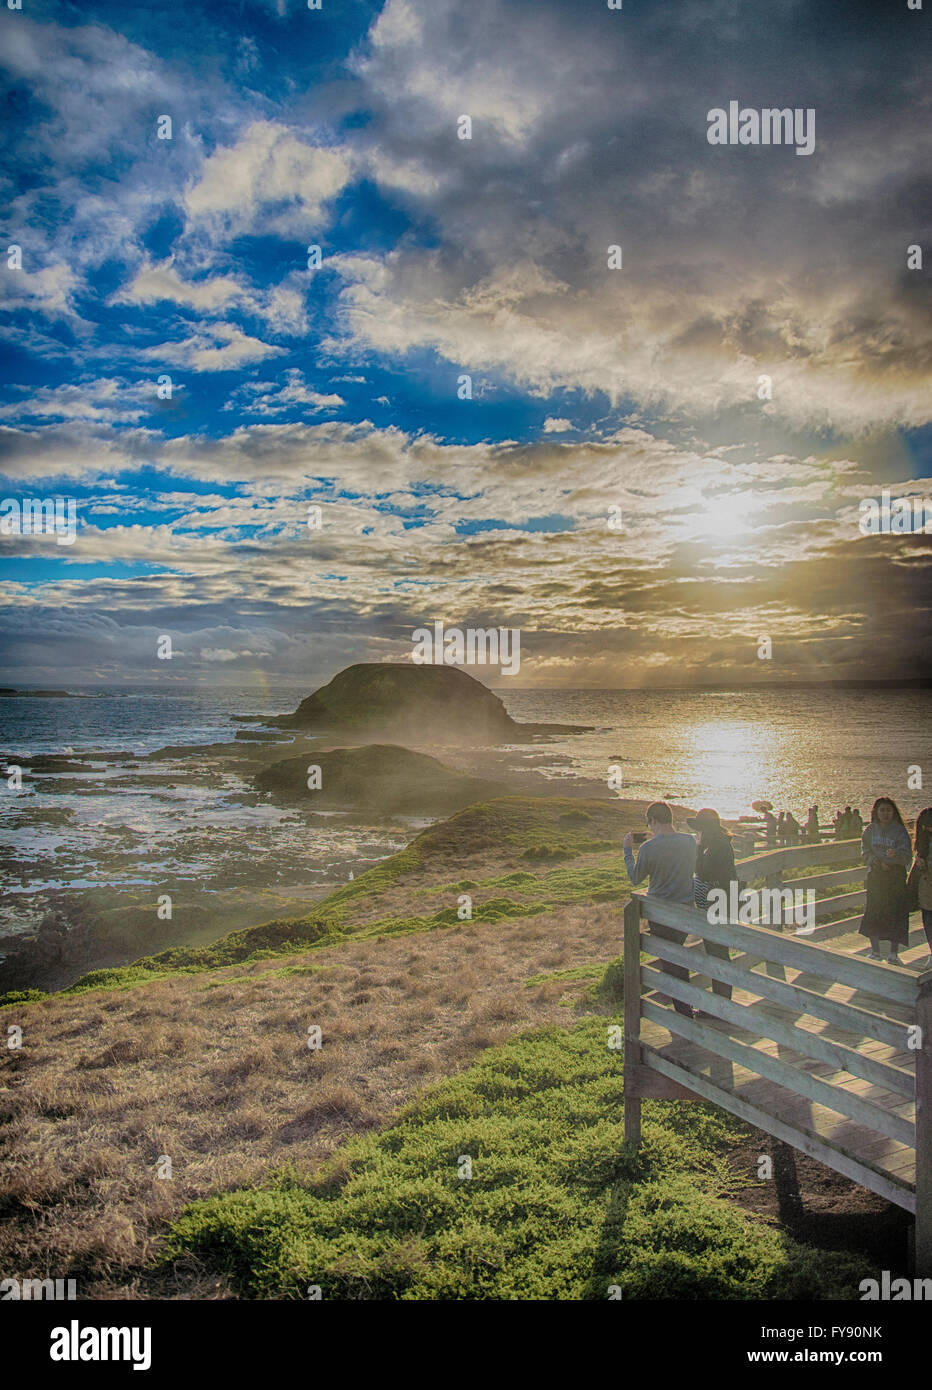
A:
x: 874, y: 1056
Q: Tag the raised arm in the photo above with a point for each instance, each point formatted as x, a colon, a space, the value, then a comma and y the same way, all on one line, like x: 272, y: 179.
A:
x: 636, y: 871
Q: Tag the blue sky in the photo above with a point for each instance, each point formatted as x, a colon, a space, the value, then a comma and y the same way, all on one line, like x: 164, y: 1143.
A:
x: 187, y: 258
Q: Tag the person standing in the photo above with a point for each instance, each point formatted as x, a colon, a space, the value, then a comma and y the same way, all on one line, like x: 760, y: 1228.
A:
x: 667, y: 859
x: 886, y: 848
x: 715, y: 868
x: 924, y: 866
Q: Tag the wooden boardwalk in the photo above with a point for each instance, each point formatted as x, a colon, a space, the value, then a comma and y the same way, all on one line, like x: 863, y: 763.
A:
x: 817, y: 1045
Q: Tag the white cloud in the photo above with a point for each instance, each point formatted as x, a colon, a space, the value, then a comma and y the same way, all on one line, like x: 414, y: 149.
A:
x: 220, y: 347
x: 108, y: 399
x: 155, y: 283
x: 50, y: 290
x: 557, y: 425
x: 273, y: 398
x: 242, y: 187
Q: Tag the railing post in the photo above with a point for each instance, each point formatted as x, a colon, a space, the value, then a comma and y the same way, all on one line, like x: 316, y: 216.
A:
x: 923, y: 1240
x: 632, y: 969
x: 775, y: 881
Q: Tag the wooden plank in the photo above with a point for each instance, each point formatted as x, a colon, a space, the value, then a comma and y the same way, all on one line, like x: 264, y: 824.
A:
x: 824, y: 907
x: 845, y: 926
x: 632, y: 1007
x: 829, y: 880
x: 797, y: 857
x: 860, y: 1143
x: 644, y: 1082
x: 889, y: 1188
x: 827, y: 907
x: 791, y: 996
x: 923, y: 1240
x: 783, y: 1073
x: 786, y: 1034
x: 885, y: 981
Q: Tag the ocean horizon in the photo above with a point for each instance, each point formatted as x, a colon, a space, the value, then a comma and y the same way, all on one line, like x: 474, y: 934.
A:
x: 719, y: 748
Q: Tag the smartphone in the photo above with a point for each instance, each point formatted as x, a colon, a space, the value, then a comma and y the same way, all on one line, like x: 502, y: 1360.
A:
x: 639, y: 837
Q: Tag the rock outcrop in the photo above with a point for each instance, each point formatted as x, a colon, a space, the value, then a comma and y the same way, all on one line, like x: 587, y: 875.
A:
x: 418, y: 705
x: 377, y: 779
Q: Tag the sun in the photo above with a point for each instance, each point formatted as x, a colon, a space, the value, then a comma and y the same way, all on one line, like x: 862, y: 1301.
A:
x: 724, y: 517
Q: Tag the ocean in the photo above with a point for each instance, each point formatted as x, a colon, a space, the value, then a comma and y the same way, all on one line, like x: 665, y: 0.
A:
x: 717, y: 748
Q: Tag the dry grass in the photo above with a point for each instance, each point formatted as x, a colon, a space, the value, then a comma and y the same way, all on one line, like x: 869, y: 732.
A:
x: 214, y: 1072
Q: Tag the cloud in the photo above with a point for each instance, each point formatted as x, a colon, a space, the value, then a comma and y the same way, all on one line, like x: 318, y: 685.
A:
x: 153, y: 284
x: 487, y: 255
x: 219, y: 347
x: 269, y: 180
x: 78, y: 450
x: 724, y: 276
x: 221, y: 654
x: 49, y: 290
x: 273, y: 398
x: 112, y: 400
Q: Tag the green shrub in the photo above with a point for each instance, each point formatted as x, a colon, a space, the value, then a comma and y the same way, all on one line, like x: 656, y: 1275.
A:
x: 557, y: 1205
x: 611, y: 987
x: 22, y: 996
x: 548, y: 854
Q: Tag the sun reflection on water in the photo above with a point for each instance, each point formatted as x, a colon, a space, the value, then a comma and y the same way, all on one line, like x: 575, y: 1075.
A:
x: 732, y: 759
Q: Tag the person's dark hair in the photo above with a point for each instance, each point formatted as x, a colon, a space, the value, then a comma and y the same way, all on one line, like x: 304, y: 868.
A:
x: 660, y: 812
x: 886, y: 801
x: 924, y: 832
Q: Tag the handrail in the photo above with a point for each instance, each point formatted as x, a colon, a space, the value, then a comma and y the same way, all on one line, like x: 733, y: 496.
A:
x: 799, y: 857
x: 760, y: 1034
x: 890, y: 982
x: 801, y: 1040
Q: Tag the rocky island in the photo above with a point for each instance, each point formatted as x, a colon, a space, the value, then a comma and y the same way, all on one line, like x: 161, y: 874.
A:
x: 414, y: 704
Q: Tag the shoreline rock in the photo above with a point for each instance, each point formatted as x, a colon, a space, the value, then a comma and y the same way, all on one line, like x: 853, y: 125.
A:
x: 379, y: 778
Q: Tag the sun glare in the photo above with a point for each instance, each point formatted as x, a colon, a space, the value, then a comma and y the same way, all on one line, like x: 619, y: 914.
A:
x: 725, y: 516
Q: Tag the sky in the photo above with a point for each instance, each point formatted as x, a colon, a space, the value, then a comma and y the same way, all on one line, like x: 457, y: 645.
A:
x: 644, y: 468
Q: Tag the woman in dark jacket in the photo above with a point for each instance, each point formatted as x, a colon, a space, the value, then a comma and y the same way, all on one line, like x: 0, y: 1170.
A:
x: 715, y: 868
x: 885, y: 845
x: 924, y: 869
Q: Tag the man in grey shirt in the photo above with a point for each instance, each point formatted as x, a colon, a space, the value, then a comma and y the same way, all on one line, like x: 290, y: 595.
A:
x: 668, y: 860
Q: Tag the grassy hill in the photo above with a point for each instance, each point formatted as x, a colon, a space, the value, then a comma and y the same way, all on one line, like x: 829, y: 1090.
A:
x: 337, y: 1165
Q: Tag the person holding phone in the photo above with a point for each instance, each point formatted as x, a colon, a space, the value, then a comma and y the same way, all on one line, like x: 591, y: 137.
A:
x: 667, y: 857
x: 886, y: 848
